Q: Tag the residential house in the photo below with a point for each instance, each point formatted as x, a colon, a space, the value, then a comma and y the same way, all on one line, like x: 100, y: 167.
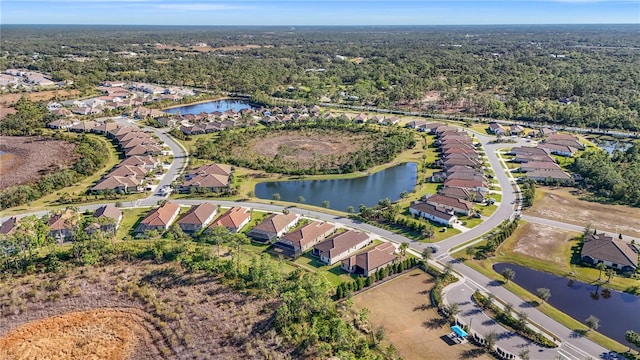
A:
x: 60, y: 124
x: 467, y: 184
x: 462, y: 193
x: 516, y: 130
x: 431, y: 212
x: 368, y: 262
x: 539, y: 165
x: 108, y: 218
x: 9, y: 226
x: 84, y: 126
x: 548, y: 175
x: 497, y: 129
x: 451, y: 204
x: 339, y: 246
x: 234, y: 219
x: 160, y: 218
x: 564, y: 139
x: 198, y: 217
x: 212, y: 177
x: 62, y: 225
x: 298, y: 241
x: 119, y: 184
x: 614, y: 253
x: 274, y: 226
x: 562, y: 150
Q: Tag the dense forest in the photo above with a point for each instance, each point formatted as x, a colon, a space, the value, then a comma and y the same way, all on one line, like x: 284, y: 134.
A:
x: 572, y: 75
x: 612, y: 177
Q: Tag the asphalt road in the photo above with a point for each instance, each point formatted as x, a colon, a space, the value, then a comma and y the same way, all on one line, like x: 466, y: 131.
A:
x: 572, y: 348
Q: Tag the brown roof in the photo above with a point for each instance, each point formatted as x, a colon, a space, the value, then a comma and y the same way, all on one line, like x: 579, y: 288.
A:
x: 109, y: 211
x: 114, y: 181
x: 606, y: 248
x: 470, y: 184
x: 304, y: 235
x: 339, y: 243
x: 208, y: 181
x: 198, y: 214
x: 60, y: 221
x: 162, y: 215
x: 447, y: 201
x: 518, y: 150
x: 460, y: 193
x: 140, y: 160
x: 371, y: 259
x: 540, y: 165
x: 275, y: 222
x: 9, y: 226
x: 233, y: 218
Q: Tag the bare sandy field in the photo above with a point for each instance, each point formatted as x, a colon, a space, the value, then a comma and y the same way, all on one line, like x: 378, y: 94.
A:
x: 543, y: 242
x: 109, y: 334
x: 27, y: 159
x: 10, y: 99
x: 412, y: 325
x: 133, y: 311
x: 564, y: 204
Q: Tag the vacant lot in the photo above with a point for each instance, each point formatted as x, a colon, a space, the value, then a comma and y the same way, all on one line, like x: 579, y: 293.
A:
x: 29, y: 158
x: 100, y: 334
x: 10, y: 99
x: 412, y: 325
x: 542, y: 242
x: 564, y: 204
x: 133, y: 311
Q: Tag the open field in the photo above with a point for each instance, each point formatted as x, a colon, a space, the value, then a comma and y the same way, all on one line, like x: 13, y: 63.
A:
x: 29, y: 158
x: 10, y: 99
x: 133, y: 311
x: 412, y: 325
x: 101, y: 334
x: 544, y: 243
x: 565, y: 205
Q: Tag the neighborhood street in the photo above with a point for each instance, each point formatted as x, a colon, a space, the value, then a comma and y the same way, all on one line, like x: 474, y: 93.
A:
x: 573, y: 347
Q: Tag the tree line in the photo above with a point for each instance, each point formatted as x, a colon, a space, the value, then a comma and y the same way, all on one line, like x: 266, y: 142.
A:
x: 510, y: 72
x: 611, y: 177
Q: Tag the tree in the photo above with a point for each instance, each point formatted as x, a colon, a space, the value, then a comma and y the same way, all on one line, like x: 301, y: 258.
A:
x: 301, y: 199
x: 543, y: 293
x: 403, y: 248
x: 350, y: 209
x: 380, y: 333
x: 602, y: 267
x: 524, y: 354
x: 633, y: 338
x: 610, y: 273
x: 427, y: 254
x: 490, y: 340
x: 592, y: 322
x: 470, y: 251
x: 523, y: 317
x: 451, y: 310
x: 276, y: 196
x: 508, y: 274
x: 325, y: 204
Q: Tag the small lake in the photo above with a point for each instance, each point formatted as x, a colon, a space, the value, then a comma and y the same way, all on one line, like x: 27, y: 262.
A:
x: 611, y: 146
x: 342, y: 193
x: 211, y: 106
x: 617, y: 312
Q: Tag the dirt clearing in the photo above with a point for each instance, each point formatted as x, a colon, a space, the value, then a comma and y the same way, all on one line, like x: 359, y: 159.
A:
x: 412, y: 325
x: 26, y: 159
x: 99, y: 334
x: 10, y: 99
x: 564, y: 205
x: 543, y: 242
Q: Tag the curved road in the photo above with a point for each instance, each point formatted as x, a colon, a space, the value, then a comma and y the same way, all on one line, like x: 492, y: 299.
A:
x: 572, y: 347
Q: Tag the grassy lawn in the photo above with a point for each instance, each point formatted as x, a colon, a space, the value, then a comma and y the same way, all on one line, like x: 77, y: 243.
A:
x: 333, y: 273
x: 496, y: 197
x: 470, y: 222
x: 486, y: 210
x: 130, y: 218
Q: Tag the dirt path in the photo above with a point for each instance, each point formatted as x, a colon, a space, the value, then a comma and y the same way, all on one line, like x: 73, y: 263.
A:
x: 412, y: 325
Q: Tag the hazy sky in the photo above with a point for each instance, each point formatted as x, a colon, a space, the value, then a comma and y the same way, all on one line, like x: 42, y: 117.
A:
x: 308, y: 12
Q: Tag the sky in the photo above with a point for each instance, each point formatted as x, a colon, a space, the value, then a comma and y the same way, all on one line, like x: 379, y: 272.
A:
x: 310, y: 12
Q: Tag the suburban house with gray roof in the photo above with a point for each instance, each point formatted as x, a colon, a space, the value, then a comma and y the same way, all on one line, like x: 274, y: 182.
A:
x: 432, y: 212
x: 614, y: 253
x: 274, y: 226
x: 368, y: 262
x: 198, y: 217
x: 107, y: 219
x: 298, y: 241
x: 340, y: 246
